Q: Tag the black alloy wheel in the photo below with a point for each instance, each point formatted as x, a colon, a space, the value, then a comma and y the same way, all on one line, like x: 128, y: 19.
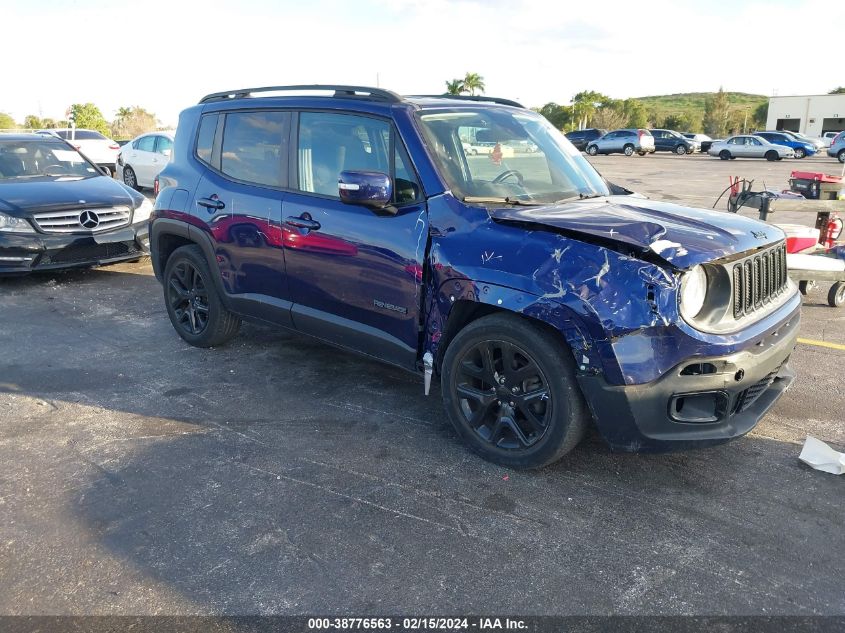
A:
x: 188, y: 298
x: 503, y: 395
x: 193, y: 302
x: 511, y: 392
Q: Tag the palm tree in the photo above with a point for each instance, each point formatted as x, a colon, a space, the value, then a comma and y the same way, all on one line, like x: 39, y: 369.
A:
x: 473, y: 82
x: 454, y: 87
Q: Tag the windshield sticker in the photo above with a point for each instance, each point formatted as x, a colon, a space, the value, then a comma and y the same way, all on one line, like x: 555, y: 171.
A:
x: 67, y: 156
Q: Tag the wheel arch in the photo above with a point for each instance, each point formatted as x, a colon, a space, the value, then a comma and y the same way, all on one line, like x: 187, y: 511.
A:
x: 461, y: 302
x: 166, y: 235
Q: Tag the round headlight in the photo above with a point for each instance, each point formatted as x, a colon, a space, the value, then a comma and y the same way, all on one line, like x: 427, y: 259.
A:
x: 693, y: 292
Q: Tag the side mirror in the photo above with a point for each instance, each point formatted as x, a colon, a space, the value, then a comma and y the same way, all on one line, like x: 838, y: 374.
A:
x: 105, y: 171
x: 366, y: 188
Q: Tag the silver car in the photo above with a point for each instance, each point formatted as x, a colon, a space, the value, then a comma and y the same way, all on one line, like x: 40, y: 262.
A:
x: 749, y: 146
x: 837, y: 147
x: 623, y: 142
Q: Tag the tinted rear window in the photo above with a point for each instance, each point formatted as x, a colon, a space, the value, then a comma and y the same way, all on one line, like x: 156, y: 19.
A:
x: 82, y: 135
x: 205, y: 137
x: 254, y: 144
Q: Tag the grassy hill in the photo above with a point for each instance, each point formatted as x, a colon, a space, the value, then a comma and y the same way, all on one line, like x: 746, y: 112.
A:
x: 692, y: 103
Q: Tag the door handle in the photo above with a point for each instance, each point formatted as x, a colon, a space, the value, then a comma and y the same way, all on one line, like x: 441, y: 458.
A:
x: 211, y: 203
x: 302, y: 222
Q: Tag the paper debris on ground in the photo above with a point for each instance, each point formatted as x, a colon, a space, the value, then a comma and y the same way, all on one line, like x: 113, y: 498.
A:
x: 821, y: 457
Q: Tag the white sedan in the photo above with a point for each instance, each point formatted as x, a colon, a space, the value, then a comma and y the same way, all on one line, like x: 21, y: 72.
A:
x: 749, y: 146
x: 141, y: 159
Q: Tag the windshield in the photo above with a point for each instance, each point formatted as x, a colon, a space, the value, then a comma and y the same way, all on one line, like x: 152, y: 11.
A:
x: 499, y: 154
x: 46, y: 158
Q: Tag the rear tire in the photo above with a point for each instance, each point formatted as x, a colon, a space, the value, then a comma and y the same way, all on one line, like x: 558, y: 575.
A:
x: 841, y: 156
x: 725, y: 154
x: 193, y: 304
x: 836, y: 295
x: 628, y: 150
x: 772, y: 155
x: 592, y: 150
x: 129, y: 178
x: 510, y: 391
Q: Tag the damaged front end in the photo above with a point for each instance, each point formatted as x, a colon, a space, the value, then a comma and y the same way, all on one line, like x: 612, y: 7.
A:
x: 680, y: 330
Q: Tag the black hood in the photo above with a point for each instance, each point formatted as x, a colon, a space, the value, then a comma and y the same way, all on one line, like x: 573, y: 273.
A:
x: 24, y: 197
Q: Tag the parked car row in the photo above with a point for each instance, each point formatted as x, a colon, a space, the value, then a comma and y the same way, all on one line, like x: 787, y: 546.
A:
x: 769, y: 144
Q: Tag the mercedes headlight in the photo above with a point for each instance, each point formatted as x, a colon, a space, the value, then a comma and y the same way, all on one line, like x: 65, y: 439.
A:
x: 693, y: 292
x: 142, y: 213
x: 11, y: 224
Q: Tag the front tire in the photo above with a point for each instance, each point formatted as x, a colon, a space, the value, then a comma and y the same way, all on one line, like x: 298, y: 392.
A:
x: 130, y: 179
x: 680, y: 150
x: 592, y: 150
x: 725, y: 154
x: 510, y: 391
x: 772, y: 155
x: 193, y: 304
x: 629, y: 150
x: 800, y: 153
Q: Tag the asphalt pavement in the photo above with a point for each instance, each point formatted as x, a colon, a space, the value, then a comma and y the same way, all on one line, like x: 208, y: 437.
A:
x: 277, y: 475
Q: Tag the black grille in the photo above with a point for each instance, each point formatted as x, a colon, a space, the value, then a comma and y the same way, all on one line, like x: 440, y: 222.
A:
x: 90, y: 253
x: 748, y: 397
x: 758, y: 279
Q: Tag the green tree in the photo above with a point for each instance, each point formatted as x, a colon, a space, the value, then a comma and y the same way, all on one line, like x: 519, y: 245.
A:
x: 7, y: 122
x: 716, y: 111
x: 32, y: 122
x: 837, y: 91
x: 635, y: 113
x: 585, y: 104
x: 610, y: 115
x: 49, y: 124
x: 89, y: 117
x: 680, y: 122
x: 455, y: 87
x: 760, y: 115
x: 130, y: 122
x: 558, y: 115
x: 473, y: 82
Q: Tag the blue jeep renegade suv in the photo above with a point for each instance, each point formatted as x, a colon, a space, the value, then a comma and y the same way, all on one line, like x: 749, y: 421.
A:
x: 543, y: 297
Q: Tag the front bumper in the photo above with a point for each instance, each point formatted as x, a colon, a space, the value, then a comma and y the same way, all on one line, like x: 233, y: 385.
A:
x: 741, y: 388
x: 24, y: 253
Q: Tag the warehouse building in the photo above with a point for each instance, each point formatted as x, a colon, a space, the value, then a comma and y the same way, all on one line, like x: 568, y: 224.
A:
x: 812, y: 115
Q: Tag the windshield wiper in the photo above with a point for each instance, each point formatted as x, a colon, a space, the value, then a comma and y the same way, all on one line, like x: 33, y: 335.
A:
x: 580, y: 196
x: 494, y: 200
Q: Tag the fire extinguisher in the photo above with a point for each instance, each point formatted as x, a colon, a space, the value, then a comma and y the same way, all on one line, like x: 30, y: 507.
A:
x: 833, y: 231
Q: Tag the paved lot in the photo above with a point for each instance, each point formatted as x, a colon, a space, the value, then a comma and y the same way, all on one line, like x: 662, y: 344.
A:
x: 276, y: 475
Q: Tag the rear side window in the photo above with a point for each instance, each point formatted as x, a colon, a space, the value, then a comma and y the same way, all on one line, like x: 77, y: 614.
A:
x: 146, y: 143
x: 163, y: 144
x: 205, y: 137
x: 254, y: 145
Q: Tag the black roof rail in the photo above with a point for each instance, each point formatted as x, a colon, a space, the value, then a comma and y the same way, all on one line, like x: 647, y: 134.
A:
x: 348, y: 92
x: 499, y: 100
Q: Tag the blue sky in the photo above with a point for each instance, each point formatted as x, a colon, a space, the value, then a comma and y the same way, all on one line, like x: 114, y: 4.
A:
x: 165, y: 55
